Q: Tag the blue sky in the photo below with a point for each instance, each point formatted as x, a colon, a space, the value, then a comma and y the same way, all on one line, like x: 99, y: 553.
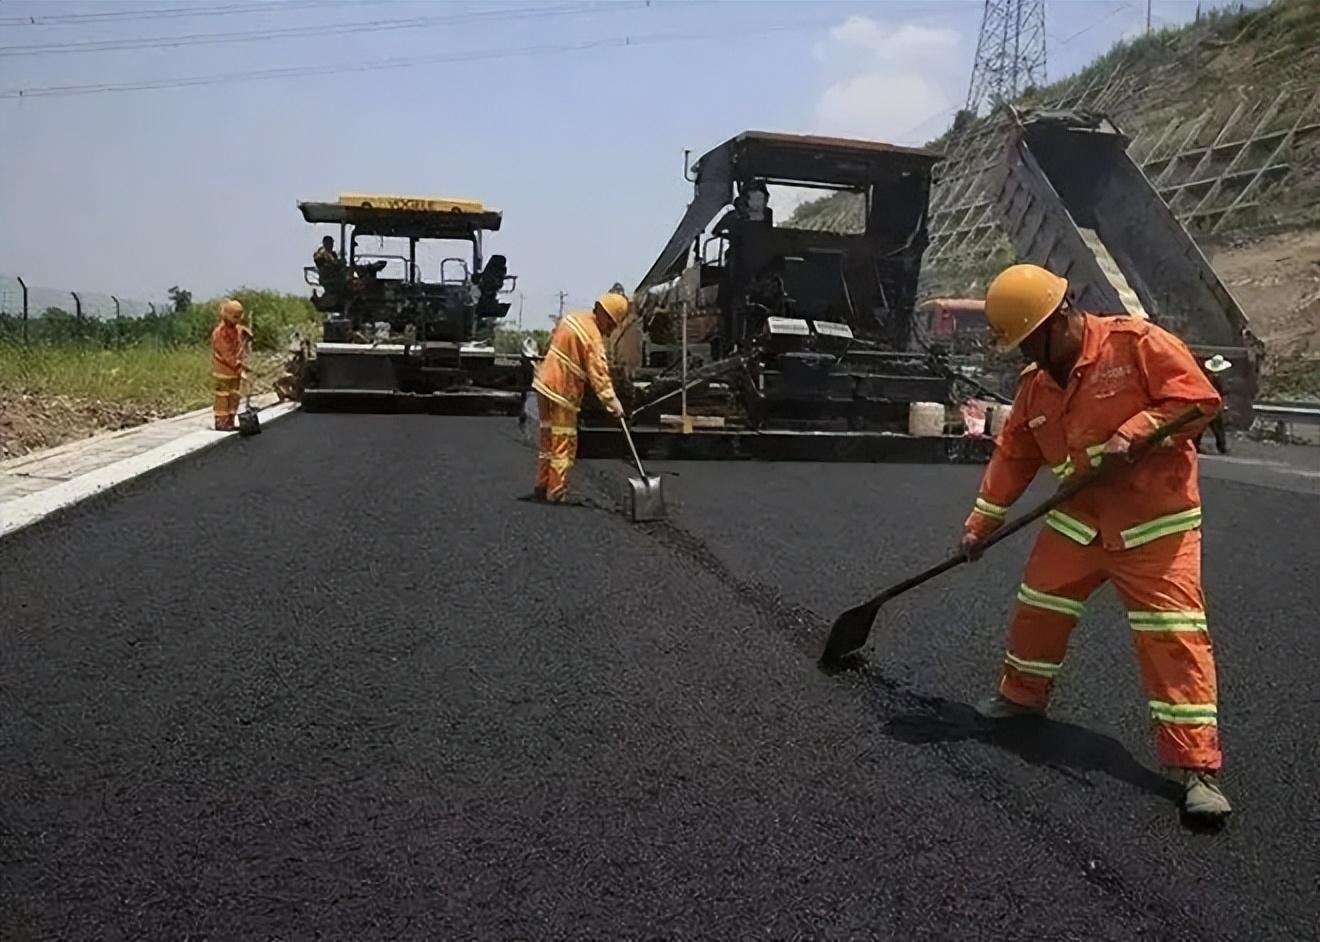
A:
x: 130, y: 192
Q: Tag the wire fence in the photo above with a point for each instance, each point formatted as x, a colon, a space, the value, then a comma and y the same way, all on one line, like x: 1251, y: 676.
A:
x: 20, y: 299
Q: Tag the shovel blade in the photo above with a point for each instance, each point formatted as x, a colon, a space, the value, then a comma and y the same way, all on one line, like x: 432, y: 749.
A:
x: 646, y: 499
x: 249, y: 423
x: 850, y: 632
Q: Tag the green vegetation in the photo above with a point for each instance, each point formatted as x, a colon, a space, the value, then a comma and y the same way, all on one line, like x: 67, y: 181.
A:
x: 273, y: 317
x: 148, y: 374
x: 1291, y: 378
x: 509, y: 339
x: 160, y: 362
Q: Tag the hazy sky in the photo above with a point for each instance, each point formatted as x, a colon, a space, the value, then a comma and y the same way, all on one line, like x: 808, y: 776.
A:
x: 580, y: 145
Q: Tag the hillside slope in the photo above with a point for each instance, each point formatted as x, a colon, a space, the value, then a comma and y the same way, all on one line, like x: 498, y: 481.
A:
x: 1224, y: 117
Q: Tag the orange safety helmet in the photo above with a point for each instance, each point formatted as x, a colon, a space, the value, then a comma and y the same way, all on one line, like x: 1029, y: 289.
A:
x: 1019, y: 300
x: 231, y: 310
x: 614, y: 305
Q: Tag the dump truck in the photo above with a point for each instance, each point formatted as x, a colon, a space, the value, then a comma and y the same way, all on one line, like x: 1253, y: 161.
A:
x: 1071, y: 199
x: 763, y: 340
x: 408, y: 324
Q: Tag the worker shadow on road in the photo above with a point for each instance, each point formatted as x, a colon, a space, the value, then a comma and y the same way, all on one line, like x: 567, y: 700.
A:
x: 1070, y: 750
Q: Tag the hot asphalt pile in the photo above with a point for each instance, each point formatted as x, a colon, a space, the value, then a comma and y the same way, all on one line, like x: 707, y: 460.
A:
x: 337, y: 682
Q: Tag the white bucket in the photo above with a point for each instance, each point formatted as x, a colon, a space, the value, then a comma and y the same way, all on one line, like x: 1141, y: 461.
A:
x: 926, y: 419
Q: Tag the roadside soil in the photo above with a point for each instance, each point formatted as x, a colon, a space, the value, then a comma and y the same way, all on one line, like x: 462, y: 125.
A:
x: 1276, y: 279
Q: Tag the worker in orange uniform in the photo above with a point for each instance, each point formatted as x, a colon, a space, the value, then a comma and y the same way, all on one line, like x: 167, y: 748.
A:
x: 1093, y: 387
x: 229, y: 345
x: 575, y: 359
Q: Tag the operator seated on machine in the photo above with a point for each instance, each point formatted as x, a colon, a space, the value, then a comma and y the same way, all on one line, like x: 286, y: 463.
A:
x: 751, y: 204
x: 330, y: 270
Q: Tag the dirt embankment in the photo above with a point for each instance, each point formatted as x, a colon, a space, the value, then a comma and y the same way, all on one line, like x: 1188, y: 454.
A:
x: 58, y: 405
x: 29, y: 423
x: 1276, y: 279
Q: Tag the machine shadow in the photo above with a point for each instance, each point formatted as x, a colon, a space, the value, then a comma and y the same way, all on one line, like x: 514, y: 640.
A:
x: 1064, y: 747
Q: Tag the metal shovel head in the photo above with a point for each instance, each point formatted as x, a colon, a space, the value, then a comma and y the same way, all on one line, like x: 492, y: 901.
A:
x: 646, y: 498
x: 249, y: 423
x: 850, y: 632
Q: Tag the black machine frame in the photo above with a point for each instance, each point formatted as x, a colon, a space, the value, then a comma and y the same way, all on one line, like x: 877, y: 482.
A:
x: 431, y: 359
x: 823, y: 364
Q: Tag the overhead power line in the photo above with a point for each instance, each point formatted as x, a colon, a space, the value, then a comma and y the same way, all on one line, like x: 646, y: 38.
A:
x: 225, y: 78
x: 227, y: 9
x: 308, y: 32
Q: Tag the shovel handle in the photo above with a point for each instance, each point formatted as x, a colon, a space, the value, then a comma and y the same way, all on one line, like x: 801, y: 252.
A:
x: 1066, y: 492
x: 1063, y: 494
x: 633, y: 448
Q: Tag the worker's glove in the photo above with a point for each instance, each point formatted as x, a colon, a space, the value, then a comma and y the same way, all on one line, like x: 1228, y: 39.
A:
x: 615, y: 408
x: 1119, y: 445
x: 969, y: 546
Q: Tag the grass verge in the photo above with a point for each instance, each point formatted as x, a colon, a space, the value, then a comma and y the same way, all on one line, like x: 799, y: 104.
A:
x: 152, y: 375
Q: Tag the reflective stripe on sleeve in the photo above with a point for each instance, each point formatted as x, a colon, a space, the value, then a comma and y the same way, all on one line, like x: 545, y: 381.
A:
x: 1185, y: 714
x: 1064, y: 468
x: 993, y: 511
x: 1052, y: 603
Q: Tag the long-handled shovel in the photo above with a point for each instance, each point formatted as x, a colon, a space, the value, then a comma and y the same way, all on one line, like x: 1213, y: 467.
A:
x: 852, y: 629
x: 249, y: 421
x: 647, y: 500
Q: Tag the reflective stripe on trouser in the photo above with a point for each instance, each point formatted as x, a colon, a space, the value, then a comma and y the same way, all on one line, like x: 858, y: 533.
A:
x: 557, y: 447
x: 225, y: 402
x: 1160, y: 586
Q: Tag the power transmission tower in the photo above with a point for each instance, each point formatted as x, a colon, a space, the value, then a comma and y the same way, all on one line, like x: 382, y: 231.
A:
x: 1010, y: 53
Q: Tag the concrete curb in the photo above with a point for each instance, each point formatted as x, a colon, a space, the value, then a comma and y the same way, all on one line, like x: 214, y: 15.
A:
x: 25, y: 511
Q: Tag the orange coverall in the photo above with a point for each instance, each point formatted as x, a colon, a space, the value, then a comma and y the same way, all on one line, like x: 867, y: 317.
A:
x: 576, y: 357
x: 227, y: 354
x: 1139, y: 529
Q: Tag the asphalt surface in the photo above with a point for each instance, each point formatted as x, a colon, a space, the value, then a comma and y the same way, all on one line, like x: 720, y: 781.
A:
x: 338, y: 682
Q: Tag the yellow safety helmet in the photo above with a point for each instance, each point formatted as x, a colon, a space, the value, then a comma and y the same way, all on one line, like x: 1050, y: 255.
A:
x: 1019, y: 300
x: 231, y: 310
x: 615, y: 305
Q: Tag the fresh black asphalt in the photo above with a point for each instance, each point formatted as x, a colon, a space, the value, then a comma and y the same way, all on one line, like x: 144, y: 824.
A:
x: 338, y: 682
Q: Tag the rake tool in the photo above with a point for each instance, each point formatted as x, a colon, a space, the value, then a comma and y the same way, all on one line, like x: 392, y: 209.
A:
x: 852, y: 629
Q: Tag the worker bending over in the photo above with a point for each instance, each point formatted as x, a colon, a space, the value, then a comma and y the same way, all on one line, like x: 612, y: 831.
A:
x: 229, y: 346
x: 1094, y: 386
x: 575, y: 359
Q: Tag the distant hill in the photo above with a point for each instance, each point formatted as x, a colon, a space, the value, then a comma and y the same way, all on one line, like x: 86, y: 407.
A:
x: 1224, y: 118
x: 1211, y: 83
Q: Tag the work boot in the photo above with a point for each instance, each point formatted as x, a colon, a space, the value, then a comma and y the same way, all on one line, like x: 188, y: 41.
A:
x: 999, y: 707
x: 1202, y: 797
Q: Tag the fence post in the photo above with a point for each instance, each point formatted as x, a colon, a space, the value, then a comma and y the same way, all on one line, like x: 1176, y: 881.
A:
x: 23, y: 284
x: 119, y: 321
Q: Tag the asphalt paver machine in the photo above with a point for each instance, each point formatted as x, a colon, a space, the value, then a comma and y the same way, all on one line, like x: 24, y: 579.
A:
x: 765, y: 340
x: 409, y: 306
